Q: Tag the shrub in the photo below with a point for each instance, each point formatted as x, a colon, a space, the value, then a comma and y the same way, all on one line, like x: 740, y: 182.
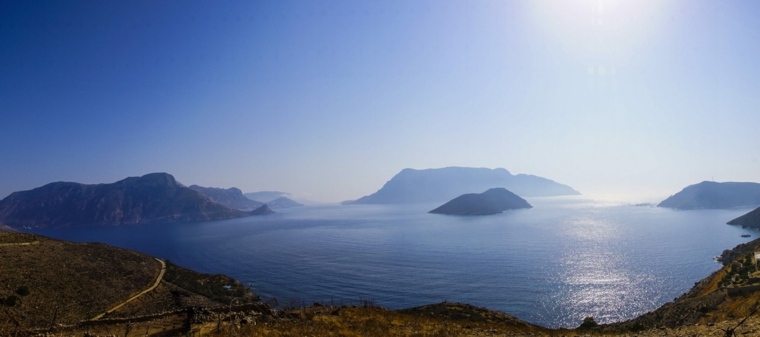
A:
x: 11, y: 300
x: 22, y: 291
x: 588, y: 323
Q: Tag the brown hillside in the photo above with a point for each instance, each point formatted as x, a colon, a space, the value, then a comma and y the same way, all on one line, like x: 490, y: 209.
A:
x: 46, y: 282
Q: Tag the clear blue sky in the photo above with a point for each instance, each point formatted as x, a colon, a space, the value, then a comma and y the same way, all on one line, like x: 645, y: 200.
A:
x: 329, y: 99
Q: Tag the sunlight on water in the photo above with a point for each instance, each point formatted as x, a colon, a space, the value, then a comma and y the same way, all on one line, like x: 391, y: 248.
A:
x: 563, y: 260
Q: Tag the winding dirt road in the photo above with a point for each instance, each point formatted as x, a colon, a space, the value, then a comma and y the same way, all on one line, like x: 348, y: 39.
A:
x: 155, y: 284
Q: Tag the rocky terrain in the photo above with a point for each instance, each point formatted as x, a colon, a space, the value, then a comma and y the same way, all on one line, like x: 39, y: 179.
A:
x: 152, y: 198
x: 709, y: 194
x: 493, y: 201
x: 443, y: 184
x: 47, y: 283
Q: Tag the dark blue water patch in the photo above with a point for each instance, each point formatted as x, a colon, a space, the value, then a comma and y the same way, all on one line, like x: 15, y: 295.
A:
x: 553, y: 265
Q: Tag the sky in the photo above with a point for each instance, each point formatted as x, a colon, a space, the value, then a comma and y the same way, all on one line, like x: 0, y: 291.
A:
x: 327, y: 100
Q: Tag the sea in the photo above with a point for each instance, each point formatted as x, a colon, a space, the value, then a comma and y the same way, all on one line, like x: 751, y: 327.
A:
x: 554, y: 264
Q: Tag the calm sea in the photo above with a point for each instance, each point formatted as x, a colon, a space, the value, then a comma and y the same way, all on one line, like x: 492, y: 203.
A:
x: 554, y: 264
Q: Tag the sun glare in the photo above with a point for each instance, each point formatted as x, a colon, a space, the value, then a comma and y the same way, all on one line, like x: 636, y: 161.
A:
x: 598, y: 26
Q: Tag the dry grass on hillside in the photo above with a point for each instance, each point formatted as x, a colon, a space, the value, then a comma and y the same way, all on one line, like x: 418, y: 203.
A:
x: 447, y: 319
x: 68, y: 282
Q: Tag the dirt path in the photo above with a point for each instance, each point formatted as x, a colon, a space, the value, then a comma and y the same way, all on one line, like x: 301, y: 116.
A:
x: 155, y: 284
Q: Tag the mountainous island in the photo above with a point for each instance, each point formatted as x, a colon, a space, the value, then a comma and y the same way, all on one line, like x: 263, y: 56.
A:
x: 749, y: 220
x: 283, y: 202
x: 229, y: 197
x: 713, y: 195
x: 152, y: 198
x: 442, y: 184
x: 493, y: 201
x: 274, y: 199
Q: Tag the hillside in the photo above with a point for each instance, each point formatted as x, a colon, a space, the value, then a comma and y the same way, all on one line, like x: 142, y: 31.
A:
x: 152, y: 198
x: 52, y: 282
x: 749, y: 220
x: 51, y: 286
x: 493, y: 201
x: 708, y: 194
x: 228, y: 197
x: 440, y: 185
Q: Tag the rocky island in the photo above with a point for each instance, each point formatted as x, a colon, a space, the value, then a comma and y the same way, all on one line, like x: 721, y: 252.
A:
x: 749, y: 220
x: 713, y: 195
x: 442, y: 184
x: 493, y: 201
x: 152, y: 198
x: 283, y: 202
x: 229, y: 197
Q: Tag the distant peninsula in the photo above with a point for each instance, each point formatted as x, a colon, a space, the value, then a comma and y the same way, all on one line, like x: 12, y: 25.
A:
x: 442, y: 184
x: 152, y: 198
x: 713, y: 195
x: 749, y: 220
x: 229, y: 197
x: 493, y: 201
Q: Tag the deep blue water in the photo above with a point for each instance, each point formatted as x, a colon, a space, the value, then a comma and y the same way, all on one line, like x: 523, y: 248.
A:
x: 554, y: 264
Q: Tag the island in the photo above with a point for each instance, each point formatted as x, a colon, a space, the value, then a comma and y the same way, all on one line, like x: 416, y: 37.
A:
x: 283, y: 202
x: 152, y: 198
x: 749, y: 220
x: 441, y: 184
x: 492, y: 201
x: 229, y: 197
x: 714, y: 195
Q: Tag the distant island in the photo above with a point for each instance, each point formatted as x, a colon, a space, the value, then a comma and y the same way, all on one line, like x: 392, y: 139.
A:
x: 230, y: 197
x: 265, y: 196
x: 152, y: 198
x: 749, y: 220
x: 439, y: 185
x: 283, y: 202
x: 275, y: 199
x: 713, y: 195
x: 493, y: 201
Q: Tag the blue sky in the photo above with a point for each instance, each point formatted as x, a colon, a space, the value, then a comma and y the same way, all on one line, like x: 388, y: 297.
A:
x: 329, y: 99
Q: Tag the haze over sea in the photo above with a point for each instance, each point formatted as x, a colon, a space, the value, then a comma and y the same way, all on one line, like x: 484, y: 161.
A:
x: 563, y: 260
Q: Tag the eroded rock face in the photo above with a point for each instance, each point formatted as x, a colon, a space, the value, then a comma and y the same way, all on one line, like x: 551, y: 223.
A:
x: 152, y: 198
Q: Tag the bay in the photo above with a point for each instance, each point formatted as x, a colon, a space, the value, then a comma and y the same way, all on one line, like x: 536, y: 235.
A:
x: 553, y: 265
